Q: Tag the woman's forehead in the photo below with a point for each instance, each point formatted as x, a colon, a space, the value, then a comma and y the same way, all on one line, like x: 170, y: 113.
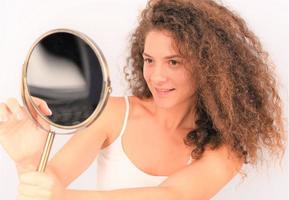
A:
x: 160, y: 42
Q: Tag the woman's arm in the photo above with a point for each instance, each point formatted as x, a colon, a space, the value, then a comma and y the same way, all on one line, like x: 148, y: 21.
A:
x: 81, y: 150
x: 74, y: 157
x: 199, y: 181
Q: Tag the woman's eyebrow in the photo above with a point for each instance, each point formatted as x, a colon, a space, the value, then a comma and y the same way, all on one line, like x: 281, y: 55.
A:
x: 166, y: 57
x: 173, y: 56
x: 145, y: 54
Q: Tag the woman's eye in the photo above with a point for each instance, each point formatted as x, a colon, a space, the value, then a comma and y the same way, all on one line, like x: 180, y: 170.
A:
x: 173, y: 62
x: 148, y: 60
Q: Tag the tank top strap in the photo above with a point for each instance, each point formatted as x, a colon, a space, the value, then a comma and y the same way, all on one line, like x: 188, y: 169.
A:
x: 190, y: 161
x: 126, y: 115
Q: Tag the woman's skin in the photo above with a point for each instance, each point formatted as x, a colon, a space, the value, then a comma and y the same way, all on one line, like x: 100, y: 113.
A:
x: 153, y: 139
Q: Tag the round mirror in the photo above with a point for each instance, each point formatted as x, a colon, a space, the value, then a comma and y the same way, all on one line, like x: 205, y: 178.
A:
x: 68, y: 71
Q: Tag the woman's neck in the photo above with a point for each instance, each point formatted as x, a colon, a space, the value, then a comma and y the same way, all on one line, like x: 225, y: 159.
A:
x: 180, y: 116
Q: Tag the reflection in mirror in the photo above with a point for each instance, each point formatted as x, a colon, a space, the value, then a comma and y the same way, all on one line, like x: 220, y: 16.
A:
x: 64, y: 71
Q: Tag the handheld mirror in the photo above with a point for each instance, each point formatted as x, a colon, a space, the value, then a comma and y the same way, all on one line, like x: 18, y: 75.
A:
x: 67, y: 70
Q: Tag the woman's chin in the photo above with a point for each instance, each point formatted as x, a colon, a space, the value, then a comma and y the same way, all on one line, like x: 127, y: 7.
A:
x: 164, y: 103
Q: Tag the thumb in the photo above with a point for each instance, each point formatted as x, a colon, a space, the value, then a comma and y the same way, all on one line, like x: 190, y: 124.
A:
x: 42, y: 105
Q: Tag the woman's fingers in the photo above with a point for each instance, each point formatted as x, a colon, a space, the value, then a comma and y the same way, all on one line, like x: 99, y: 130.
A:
x: 32, y: 191
x: 15, y: 108
x: 42, y: 105
x: 4, y: 113
x: 35, y: 185
x: 4, y: 117
x: 36, y: 178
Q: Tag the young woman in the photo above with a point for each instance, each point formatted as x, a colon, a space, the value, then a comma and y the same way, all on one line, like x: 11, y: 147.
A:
x: 204, y: 101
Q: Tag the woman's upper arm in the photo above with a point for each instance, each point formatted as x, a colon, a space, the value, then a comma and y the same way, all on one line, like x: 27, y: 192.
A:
x: 205, y: 177
x: 80, y: 151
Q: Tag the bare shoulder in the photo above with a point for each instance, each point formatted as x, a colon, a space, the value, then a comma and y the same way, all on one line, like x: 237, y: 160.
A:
x: 139, y: 107
x: 114, y: 114
x: 112, y: 117
x: 114, y: 104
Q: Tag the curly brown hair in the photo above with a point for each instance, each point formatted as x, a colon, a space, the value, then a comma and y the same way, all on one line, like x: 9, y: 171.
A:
x: 237, y: 98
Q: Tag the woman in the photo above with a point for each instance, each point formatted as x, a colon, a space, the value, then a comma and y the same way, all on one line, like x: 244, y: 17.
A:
x: 205, y: 100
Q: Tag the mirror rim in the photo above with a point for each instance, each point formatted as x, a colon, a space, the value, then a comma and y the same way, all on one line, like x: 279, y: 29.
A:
x: 106, y: 87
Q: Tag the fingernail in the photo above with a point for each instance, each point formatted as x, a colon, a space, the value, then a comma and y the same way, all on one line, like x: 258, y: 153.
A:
x: 49, y: 112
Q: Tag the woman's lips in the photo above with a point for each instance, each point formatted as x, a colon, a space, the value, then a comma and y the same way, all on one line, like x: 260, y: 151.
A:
x: 163, y: 92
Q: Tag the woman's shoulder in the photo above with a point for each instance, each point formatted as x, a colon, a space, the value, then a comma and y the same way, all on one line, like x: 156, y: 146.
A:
x: 114, y: 110
x: 110, y: 116
x: 117, y: 105
x: 139, y: 107
x: 113, y: 115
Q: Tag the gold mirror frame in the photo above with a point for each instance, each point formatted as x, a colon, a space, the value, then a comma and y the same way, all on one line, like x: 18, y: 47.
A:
x: 43, y: 120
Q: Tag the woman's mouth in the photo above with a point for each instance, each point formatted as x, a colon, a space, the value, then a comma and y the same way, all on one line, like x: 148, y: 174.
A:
x: 162, y: 92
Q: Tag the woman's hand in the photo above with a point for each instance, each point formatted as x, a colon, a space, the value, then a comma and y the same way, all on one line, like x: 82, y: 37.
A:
x: 22, y: 139
x: 40, y: 186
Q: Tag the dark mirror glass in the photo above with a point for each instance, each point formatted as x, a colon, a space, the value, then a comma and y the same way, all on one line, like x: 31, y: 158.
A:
x: 64, y: 71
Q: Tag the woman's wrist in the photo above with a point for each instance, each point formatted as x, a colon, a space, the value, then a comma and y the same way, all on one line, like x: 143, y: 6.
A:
x: 25, y: 167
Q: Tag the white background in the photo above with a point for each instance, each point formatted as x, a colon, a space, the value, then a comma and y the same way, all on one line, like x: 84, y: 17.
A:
x: 109, y: 23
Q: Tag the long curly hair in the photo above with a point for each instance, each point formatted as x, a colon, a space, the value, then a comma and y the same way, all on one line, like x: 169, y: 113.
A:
x: 237, y: 101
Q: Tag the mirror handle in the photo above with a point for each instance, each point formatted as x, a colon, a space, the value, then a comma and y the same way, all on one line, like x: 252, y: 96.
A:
x: 46, y: 152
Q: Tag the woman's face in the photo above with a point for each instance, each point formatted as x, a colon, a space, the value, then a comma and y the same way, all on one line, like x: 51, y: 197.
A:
x: 166, y: 71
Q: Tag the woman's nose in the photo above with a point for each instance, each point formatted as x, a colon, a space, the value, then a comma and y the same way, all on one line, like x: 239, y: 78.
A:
x: 158, y: 75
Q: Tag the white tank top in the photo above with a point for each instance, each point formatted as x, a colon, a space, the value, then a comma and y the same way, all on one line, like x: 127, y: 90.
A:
x: 115, y: 170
